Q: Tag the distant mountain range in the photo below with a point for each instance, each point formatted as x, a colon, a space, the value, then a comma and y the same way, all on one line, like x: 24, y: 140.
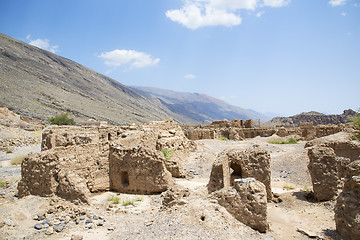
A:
x: 40, y: 84
x: 315, y: 117
x: 200, y: 107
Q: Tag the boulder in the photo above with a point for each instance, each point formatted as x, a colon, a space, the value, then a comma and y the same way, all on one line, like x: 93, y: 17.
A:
x: 246, y: 201
x: 347, y: 210
x: 323, y: 171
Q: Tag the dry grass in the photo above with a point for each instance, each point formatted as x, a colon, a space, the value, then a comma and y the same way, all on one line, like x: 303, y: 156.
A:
x: 17, y: 160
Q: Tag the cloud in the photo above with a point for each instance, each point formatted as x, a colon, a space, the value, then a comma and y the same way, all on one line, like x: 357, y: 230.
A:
x: 276, y: 3
x: 200, y: 13
x: 190, y: 76
x: 132, y: 58
x: 43, y: 43
x: 194, y: 16
x: 343, y: 14
x: 335, y: 3
x: 259, y: 14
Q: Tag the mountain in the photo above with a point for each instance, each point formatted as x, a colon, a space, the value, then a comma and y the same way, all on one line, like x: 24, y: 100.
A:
x: 315, y: 117
x: 40, y: 84
x: 200, y: 107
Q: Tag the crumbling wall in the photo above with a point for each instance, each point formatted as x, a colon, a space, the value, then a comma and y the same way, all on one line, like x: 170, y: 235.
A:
x: 239, y: 163
x: 246, y: 201
x: 58, y: 170
x: 347, y: 210
x: 324, y: 173
x: 138, y: 170
x: 75, y: 160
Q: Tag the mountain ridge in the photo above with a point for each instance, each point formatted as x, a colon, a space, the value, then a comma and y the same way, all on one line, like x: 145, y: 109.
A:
x: 40, y: 84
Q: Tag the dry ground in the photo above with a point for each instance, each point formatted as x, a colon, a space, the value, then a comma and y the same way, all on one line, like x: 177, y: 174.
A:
x: 198, y: 217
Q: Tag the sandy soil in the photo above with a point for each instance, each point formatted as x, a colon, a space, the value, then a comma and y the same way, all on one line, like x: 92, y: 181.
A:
x: 199, y: 217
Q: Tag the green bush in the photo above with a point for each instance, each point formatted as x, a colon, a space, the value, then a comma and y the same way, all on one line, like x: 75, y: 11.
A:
x: 62, y: 119
x: 356, y: 122
x: 223, y: 138
x: 167, y: 153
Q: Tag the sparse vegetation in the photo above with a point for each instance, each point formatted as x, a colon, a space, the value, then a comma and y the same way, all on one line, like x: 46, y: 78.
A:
x: 356, y: 122
x: 62, y: 119
x: 9, y: 150
x: 114, y: 199
x: 307, y: 188
x: 288, y: 186
x: 223, y: 138
x: 3, y: 183
x: 128, y: 202
x: 17, y: 160
x: 167, y: 153
x: 288, y: 141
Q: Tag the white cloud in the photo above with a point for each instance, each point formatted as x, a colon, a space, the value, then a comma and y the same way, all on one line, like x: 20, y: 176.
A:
x: 194, y: 16
x: 276, y: 3
x: 44, y: 44
x: 199, y: 13
x: 335, y: 3
x: 190, y: 76
x: 259, y: 14
x: 132, y: 58
x: 343, y: 14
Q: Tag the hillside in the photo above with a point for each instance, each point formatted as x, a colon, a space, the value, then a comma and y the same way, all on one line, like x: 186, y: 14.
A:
x: 199, y: 107
x: 40, y: 84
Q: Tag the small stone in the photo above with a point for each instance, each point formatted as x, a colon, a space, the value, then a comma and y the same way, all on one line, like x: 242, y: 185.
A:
x: 82, y: 217
x: 111, y: 228
x: 35, y: 217
x: 95, y: 217
x: 88, y: 221
x: 38, y: 226
x: 89, y: 226
x: 100, y: 223
x: 59, y: 228
x: 46, y: 225
x: 77, y: 221
x: 40, y: 218
x: 49, y: 231
x: 77, y: 237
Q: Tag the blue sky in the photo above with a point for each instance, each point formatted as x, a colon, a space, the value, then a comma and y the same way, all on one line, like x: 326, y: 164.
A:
x: 281, y: 56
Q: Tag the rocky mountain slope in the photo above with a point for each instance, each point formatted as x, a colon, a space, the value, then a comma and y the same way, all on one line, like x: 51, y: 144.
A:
x: 315, y: 117
x: 200, y: 107
x: 40, y: 84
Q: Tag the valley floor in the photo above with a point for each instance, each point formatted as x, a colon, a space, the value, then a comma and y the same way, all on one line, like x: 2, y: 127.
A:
x: 197, y: 217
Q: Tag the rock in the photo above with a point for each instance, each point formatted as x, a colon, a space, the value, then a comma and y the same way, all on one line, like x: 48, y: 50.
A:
x: 323, y: 171
x: 82, y: 217
x: 88, y: 221
x: 76, y: 237
x: 49, y: 231
x: 247, y: 202
x: 100, y: 223
x: 38, y: 226
x: 89, y: 226
x: 111, y: 228
x: 59, y: 227
x: 174, y: 196
x: 347, y: 210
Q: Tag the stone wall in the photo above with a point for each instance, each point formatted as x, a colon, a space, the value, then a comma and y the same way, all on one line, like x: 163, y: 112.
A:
x: 232, y: 131
x: 77, y: 160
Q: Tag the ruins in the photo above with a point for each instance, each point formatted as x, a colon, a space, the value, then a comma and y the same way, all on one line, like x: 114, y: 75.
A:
x: 93, y: 159
x: 77, y: 161
x: 240, y: 130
